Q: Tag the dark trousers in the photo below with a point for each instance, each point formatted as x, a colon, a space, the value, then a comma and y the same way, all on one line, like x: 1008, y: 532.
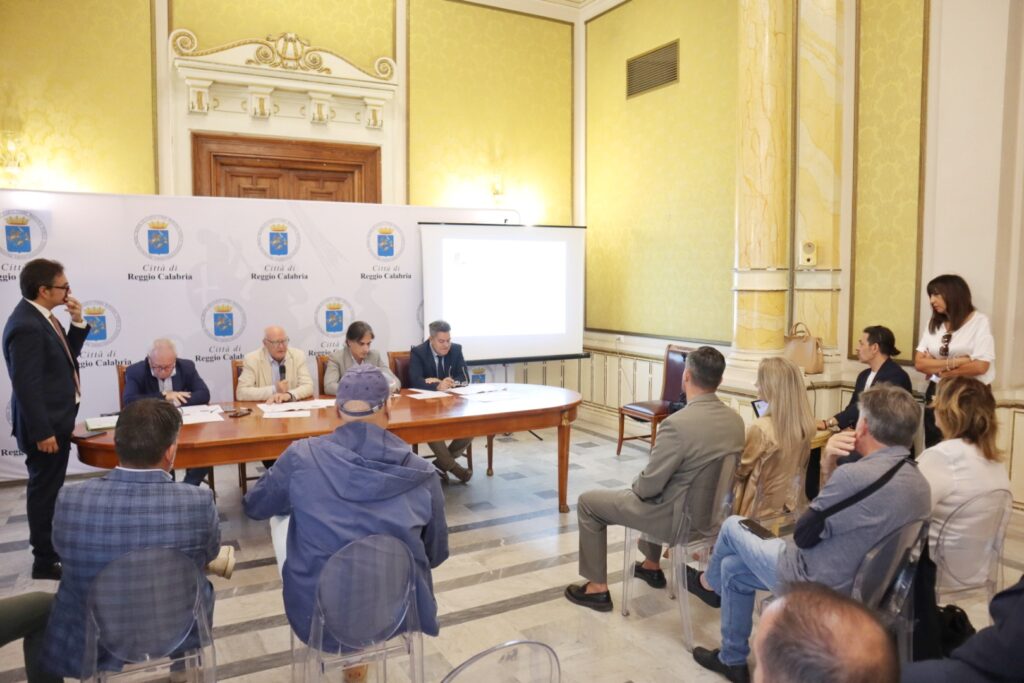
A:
x: 25, y: 617
x: 195, y: 475
x: 46, y: 473
x: 932, y: 435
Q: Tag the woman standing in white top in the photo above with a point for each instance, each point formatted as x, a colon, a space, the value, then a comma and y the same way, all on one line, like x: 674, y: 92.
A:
x: 965, y: 465
x: 956, y: 343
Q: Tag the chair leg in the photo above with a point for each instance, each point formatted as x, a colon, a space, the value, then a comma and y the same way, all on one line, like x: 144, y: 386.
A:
x: 490, y: 455
x: 210, y: 482
x: 654, y: 433
x: 469, y: 456
x: 622, y: 426
x: 678, y: 570
x: 242, y: 483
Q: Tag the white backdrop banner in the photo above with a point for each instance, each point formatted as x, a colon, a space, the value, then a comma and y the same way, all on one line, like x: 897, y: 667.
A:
x: 211, y: 274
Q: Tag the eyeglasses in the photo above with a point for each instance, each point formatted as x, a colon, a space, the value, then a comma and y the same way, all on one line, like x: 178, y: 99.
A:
x: 944, y: 349
x: 277, y: 342
x: 162, y: 368
x: 66, y: 288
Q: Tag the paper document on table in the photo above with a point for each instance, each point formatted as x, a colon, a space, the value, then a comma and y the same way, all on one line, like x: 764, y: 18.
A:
x: 94, y: 424
x: 198, y: 418
x: 421, y: 395
x: 196, y: 410
x: 290, y: 413
x: 474, y: 389
x: 312, y: 404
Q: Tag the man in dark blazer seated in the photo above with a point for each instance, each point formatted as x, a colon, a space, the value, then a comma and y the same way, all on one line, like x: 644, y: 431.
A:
x: 42, y: 361
x: 436, y: 365
x: 132, y: 507
x: 163, y: 375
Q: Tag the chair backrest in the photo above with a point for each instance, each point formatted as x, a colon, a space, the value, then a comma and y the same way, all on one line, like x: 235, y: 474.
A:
x: 970, y: 541
x: 121, y: 370
x: 321, y: 368
x: 672, y: 380
x: 884, y: 563
x: 708, y: 500
x: 236, y: 372
x: 398, y: 362
x: 366, y: 593
x: 524, y: 661
x: 144, y: 604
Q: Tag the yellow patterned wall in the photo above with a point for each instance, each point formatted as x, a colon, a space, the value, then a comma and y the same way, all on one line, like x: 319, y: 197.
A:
x: 661, y: 170
x: 358, y: 30
x: 888, y: 156
x: 77, y: 84
x: 490, y: 108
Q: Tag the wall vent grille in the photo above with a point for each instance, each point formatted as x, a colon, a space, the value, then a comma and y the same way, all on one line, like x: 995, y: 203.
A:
x: 652, y: 69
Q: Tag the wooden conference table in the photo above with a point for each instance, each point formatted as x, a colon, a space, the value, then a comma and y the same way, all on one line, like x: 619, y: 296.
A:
x: 251, y: 438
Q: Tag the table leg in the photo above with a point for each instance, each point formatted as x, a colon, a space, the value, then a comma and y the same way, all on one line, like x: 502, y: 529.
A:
x: 563, y: 462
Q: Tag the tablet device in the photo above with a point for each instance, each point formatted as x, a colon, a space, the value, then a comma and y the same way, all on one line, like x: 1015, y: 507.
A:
x: 760, y: 408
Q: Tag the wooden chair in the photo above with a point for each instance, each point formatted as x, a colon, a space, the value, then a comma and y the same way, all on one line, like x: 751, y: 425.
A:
x: 243, y: 476
x: 656, y: 411
x: 321, y: 369
x: 122, y: 370
x: 398, y: 363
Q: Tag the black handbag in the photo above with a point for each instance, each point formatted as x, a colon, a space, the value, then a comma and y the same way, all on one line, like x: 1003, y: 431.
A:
x: 811, y: 524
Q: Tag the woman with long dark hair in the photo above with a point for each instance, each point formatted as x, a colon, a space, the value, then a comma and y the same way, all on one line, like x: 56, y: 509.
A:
x: 957, y: 342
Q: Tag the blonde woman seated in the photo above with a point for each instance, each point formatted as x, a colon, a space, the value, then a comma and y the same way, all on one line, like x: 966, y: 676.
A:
x: 777, y: 444
x: 964, y: 465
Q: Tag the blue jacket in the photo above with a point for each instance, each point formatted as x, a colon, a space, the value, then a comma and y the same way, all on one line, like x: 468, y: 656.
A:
x: 42, y: 376
x: 421, y: 365
x: 889, y: 373
x: 139, y: 383
x: 358, y: 481
x: 102, y: 519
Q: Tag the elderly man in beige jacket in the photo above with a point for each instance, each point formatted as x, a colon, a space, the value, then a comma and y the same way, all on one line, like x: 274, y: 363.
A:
x: 704, y: 431
x: 275, y: 373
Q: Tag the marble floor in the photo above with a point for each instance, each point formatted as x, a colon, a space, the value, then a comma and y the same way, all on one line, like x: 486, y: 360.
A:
x: 512, y: 554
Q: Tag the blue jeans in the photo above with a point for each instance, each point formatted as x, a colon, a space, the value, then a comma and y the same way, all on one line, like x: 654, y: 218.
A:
x: 740, y: 565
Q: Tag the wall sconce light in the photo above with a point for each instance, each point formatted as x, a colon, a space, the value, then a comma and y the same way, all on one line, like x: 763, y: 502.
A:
x: 12, y: 153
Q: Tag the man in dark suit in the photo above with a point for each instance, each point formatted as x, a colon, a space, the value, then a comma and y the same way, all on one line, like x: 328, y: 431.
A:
x: 163, y: 375
x: 436, y: 365
x: 876, y: 347
x: 42, y: 361
x: 134, y: 506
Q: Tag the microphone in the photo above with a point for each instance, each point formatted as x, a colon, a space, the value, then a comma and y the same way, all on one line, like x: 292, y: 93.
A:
x: 283, y: 373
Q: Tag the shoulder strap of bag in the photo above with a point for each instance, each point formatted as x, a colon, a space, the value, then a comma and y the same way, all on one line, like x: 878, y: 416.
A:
x: 864, y: 493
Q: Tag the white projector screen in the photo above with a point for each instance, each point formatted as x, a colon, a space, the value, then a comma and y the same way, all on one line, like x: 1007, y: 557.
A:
x: 508, y: 291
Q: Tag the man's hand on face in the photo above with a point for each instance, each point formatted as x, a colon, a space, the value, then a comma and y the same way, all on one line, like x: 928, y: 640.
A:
x: 74, y: 307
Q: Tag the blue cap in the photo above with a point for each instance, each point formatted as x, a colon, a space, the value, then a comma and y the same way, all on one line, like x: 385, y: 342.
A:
x: 367, y: 385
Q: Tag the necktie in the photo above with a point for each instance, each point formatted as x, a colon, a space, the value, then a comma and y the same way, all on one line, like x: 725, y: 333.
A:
x: 67, y: 350
x: 440, y: 367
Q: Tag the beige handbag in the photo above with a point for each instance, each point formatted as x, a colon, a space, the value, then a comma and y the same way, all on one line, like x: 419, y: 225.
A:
x: 804, y: 349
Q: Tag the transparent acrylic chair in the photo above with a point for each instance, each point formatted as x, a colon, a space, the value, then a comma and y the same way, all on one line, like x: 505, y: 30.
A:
x: 148, y: 610
x: 969, y: 548
x: 700, y: 514
x: 365, y: 597
x: 782, y: 521
x: 884, y: 580
x: 519, y: 661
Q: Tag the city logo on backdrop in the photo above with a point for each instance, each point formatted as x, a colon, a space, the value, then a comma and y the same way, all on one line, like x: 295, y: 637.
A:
x: 104, y: 329
x: 478, y: 376
x: 24, y: 238
x: 223, y: 321
x: 332, y: 318
x: 385, y: 242
x: 279, y: 241
x: 10, y: 452
x: 158, y: 238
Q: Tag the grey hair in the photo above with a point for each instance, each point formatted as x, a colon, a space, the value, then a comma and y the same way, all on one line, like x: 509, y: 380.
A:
x: 439, y: 326
x: 891, y: 413
x: 706, y: 366
x: 162, y: 343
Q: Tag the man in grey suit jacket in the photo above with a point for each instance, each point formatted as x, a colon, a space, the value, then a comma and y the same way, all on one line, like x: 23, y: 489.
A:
x: 704, y: 431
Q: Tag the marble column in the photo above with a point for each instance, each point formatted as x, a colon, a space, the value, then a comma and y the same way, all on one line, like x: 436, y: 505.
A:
x: 761, y: 274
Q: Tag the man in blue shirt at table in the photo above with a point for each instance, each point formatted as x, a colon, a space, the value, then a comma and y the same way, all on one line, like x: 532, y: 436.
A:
x: 358, y: 481
x: 165, y: 376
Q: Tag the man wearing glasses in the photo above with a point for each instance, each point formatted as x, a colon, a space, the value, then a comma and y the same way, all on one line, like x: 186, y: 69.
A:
x: 275, y: 373
x: 42, y: 361
x: 163, y: 375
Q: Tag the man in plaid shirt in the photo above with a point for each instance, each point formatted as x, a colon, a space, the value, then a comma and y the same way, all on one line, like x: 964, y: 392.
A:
x: 137, y: 505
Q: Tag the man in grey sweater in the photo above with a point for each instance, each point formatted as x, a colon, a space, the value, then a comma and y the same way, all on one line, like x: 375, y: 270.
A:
x: 704, y: 431
x: 743, y: 563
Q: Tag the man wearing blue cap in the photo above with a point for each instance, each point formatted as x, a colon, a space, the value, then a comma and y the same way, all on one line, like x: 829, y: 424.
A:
x: 358, y: 481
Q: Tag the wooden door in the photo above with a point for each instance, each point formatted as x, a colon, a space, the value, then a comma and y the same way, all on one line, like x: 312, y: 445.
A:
x: 271, y: 168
